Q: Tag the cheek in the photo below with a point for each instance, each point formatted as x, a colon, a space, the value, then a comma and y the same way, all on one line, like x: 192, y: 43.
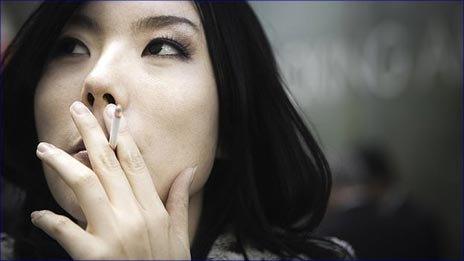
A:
x: 53, y: 122
x: 175, y: 126
x: 52, y: 99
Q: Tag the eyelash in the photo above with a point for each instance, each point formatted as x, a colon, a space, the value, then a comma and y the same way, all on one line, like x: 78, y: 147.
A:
x: 59, y: 49
x: 183, y: 49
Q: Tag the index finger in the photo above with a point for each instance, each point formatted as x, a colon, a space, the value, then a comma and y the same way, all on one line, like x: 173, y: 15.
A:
x: 104, y: 162
x: 84, y: 183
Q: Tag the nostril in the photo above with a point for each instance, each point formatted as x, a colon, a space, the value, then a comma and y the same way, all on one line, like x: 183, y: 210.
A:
x: 109, y: 98
x: 90, y: 99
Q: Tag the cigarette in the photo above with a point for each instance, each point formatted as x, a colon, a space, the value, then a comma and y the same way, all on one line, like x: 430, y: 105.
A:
x: 115, y: 127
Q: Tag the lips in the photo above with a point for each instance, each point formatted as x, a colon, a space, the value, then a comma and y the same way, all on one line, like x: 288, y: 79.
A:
x: 79, y: 152
x: 83, y: 157
x: 78, y: 147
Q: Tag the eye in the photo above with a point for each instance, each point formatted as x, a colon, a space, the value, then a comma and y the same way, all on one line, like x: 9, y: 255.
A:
x: 69, y: 46
x: 166, y: 47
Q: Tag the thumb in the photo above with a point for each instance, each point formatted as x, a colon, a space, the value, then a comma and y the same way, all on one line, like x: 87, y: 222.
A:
x: 178, y: 201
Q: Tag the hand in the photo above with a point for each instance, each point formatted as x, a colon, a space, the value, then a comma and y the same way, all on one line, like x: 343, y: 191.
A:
x: 126, y: 218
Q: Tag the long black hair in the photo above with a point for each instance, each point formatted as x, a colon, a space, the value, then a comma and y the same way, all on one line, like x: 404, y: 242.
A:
x: 272, y: 187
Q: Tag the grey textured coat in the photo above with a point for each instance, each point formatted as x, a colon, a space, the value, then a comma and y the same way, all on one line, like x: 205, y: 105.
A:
x: 219, y: 251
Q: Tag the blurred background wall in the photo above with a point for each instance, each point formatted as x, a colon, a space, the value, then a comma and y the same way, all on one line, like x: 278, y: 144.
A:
x: 387, y: 74
x: 383, y: 74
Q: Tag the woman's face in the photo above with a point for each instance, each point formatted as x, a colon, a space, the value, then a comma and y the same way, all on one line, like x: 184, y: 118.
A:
x: 168, y: 93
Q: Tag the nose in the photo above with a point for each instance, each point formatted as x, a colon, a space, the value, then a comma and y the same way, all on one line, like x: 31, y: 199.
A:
x: 108, y: 97
x: 104, y: 84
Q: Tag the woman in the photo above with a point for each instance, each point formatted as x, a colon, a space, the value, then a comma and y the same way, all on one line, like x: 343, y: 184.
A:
x: 212, y: 159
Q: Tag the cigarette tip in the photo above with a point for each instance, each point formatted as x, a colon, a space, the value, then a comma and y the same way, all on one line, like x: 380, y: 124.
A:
x: 118, y: 111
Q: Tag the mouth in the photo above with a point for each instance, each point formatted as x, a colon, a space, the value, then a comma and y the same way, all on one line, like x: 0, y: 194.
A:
x: 78, y: 148
x: 79, y: 152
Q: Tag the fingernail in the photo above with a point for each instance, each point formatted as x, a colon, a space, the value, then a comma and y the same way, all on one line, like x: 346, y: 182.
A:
x: 36, y: 214
x: 44, y: 147
x: 110, y: 108
x: 79, y: 108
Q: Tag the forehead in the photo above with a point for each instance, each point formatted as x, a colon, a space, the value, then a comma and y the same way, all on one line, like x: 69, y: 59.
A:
x: 122, y: 13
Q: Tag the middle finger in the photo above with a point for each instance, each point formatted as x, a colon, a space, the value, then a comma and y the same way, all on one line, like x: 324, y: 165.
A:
x: 133, y: 164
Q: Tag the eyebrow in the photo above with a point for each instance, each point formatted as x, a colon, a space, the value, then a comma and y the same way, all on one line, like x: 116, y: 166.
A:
x: 144, y: 24
x: 161, y: 21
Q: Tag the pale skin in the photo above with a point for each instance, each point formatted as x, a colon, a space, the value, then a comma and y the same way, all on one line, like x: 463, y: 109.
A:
x: 141, y: 200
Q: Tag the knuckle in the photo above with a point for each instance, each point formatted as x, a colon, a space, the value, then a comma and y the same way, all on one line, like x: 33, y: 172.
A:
x: 108, y: 160
x: 134, y: 162
x: 86, y: 180
x: 60, y: 225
